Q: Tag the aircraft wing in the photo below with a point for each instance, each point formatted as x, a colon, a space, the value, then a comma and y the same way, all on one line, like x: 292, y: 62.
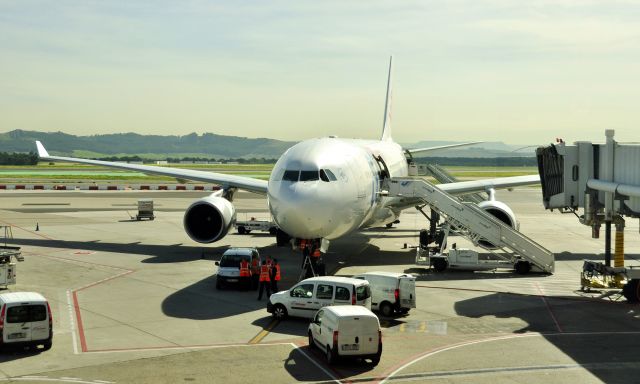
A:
x: 419, y: 151
x: 226, y: 181
x: 463, y: 187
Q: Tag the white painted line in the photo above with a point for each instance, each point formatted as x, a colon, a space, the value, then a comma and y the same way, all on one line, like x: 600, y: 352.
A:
x: 45, y: 378
x: 464, y: 344
x: 311, y: 359
x: 72, y: 323
x: 212, y: 346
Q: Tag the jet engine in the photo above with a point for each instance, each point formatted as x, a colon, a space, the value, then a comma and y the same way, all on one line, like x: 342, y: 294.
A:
x: 209, y: 219
x: 500, y: 211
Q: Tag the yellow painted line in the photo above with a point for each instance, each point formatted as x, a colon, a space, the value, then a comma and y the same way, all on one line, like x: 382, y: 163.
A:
x: 262, y: 334
x: 402, y: 327
x: 423, y: 326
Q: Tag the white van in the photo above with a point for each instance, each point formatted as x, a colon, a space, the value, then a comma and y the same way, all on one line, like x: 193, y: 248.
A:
x: 25, y: 318
x: 229, y: 265
x: 346, y: 331
x: 391, y: 292
x: 305, y: 298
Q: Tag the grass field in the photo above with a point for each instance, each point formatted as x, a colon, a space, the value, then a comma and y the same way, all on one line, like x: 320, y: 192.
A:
x: 77, y: 172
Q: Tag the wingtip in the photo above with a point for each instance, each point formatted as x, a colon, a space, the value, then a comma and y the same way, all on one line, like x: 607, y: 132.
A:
x: 41, y: 151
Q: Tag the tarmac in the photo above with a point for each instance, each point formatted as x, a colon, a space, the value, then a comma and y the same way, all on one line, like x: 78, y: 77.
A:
x: 135, y: 301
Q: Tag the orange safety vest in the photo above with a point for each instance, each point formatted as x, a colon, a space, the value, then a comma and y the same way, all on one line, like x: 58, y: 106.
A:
x: 244, y: 269
x: 316, y: 253
x: 264, y: 273
x: 254, y: 266
x: 277, y: 277
x: 303, y: 243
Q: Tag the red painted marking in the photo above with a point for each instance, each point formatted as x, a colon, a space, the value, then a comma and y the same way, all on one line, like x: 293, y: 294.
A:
x: 93, y: 187
x: 216, y: 188
x: 163, y: 188
x: 38, y: 187
x: 112, y: 187
x: 20, y: 187
x: 3, y: 187
x: 84, y: 253
x: 144, y: 188
x: 60, y: 187
x: 198, y: 188
x: 546, y: 303
x: 83, y: 340
x: 181, y: 188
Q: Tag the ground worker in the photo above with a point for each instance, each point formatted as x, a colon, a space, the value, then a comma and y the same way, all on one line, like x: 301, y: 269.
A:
x: 255, y: 272
x: 275, y: 275
x: 245, y: 274
x: 265, y: 280
x: 269, y: 262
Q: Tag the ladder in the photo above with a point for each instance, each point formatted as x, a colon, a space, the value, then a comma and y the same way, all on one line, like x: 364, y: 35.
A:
x: 307, y: 264
x: 473, y: 222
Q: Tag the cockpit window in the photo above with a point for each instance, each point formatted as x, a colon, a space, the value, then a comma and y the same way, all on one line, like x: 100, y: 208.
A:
x: 327, y: 175
x: 308, y: 175
x: 290, y: 175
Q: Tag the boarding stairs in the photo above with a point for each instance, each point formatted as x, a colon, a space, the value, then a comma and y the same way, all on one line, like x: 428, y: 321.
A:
x: 443, y: 176
x: 473, y: 222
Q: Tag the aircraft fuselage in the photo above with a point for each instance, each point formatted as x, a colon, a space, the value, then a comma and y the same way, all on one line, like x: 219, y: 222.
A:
x: 328, y: 187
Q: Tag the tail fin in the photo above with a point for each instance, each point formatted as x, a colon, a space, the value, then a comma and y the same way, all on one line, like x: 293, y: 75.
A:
x: 386, y: 126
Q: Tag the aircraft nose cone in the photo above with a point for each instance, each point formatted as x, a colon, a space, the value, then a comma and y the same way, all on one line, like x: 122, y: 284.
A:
x: 302, y: 212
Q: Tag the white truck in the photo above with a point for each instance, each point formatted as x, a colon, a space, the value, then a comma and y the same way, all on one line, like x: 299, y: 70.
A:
x: 346, y: 331
x: 245, y: 227
x: 391, y: 292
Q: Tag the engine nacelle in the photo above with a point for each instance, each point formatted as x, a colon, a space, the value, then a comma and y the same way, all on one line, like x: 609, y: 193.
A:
x: 209, y: 219
x: 500, y: 211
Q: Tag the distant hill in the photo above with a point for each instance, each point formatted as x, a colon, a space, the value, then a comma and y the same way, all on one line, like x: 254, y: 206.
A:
x: 207, y: 145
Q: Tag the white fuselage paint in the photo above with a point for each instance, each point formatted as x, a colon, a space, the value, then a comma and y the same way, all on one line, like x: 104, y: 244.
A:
x: 321, y: 209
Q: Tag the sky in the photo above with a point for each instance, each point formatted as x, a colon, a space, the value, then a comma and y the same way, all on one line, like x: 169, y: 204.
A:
x: 521, y: 72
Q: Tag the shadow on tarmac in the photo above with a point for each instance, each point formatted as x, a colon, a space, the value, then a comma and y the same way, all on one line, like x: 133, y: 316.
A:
x: 176, y: 253
x: 201, y: 301
x: 11, y: 353
x: 602, y: 337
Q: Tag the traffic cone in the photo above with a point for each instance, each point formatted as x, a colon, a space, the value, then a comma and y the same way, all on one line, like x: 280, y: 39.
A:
x: 37, y: 227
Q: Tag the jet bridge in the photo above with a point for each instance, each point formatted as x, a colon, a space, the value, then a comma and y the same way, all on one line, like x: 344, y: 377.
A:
x: 604, y: 181
x: 474, y: 223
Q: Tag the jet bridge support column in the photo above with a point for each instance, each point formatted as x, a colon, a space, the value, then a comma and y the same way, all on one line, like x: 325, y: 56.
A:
x: 618, y: 260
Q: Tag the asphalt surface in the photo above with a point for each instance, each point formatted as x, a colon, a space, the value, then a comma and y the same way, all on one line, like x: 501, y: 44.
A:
x: 135, y: 302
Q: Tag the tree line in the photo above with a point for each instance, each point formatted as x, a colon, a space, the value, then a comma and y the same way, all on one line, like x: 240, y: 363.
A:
x: 15, y: 158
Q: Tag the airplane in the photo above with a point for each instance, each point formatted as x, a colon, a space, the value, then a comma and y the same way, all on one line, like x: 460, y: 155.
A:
x: 320, y: 189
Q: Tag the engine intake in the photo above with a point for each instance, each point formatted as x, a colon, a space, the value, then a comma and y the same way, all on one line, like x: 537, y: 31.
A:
x: 208, y: 220
x: 503, y: 213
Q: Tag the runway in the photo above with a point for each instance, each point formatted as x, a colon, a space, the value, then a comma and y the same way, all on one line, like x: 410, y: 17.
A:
x: 135, y: 302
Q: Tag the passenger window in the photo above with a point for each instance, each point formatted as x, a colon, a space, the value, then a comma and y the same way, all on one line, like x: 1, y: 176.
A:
x: 343, y: 294
x: 324, y: 292
x: 363, y: 292
x: 319, y: 317
x: 308, y: 175
x: 303, y: 290
x: 290, y: 175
